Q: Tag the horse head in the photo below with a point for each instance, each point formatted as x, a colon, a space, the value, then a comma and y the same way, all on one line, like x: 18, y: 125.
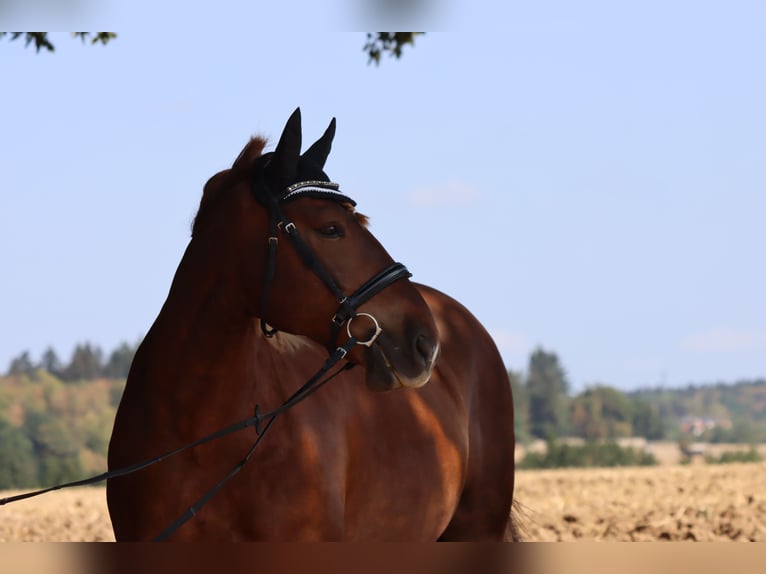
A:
x: 301, y: 249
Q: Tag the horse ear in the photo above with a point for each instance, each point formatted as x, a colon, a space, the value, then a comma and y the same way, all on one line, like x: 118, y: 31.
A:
x: 319, y: 151
x: 283, y: 168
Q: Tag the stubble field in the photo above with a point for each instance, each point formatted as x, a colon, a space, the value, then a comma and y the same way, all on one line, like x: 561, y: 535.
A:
x: 690, y: 503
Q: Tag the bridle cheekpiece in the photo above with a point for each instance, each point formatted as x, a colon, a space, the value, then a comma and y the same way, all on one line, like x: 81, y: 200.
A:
x: 347, y: 304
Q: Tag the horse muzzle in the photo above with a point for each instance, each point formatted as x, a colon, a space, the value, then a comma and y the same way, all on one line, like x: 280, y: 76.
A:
x: 390, y: 366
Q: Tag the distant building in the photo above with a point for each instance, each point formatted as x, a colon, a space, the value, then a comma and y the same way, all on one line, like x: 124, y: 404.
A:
x: 696, y: 426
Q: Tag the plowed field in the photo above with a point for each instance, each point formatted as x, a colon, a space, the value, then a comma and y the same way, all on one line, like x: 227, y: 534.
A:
x: 698, y: 502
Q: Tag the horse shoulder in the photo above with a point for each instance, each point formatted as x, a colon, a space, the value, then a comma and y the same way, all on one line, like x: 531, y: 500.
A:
x: 470, y: 365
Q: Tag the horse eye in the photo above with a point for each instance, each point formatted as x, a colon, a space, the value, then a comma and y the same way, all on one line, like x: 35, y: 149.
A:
x: 331, y: 231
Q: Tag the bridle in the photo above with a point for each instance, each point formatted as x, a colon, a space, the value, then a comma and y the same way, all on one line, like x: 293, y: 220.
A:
x: 347, y: 304
x: 346, y: 313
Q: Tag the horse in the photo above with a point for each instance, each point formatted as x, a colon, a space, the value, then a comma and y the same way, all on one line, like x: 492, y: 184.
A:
x: 415, y: 443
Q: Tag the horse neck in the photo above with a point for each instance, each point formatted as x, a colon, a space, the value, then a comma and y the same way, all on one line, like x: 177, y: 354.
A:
x: 204, y: 339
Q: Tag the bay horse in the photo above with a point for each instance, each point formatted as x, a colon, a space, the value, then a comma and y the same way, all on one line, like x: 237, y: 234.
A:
x: 428, y: 458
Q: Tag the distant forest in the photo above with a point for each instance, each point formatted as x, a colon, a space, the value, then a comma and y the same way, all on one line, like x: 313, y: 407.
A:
x: 88, y: 362
x: 56, y: 418
x: 722, y: 412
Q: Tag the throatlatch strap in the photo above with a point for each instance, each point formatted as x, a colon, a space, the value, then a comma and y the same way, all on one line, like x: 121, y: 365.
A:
x: 271, y: 268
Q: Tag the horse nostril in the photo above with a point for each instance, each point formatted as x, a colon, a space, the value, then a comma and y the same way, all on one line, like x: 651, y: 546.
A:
x: 426, y: 349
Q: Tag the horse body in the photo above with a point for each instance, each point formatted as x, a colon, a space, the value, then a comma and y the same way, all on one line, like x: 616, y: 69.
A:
x: 430, y: 462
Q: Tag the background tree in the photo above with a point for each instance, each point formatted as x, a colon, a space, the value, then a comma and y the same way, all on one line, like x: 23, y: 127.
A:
x: 377, y: 44
x: 118, y: 365
x: 547, y: 389
x: 17, y: 460
x: 42, y: 41
x: 392, y: 43
x: 55, y: 446
x: 585, y: 418
x: 51, y: 363
x: 647, y: 421
x: 601, y: 412
x: 86, y: 363
x: 21, y: 365
x: 520, y: 407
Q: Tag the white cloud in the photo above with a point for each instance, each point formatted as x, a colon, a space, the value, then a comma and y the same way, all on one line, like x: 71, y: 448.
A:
x: 724, y: 340
x: 453, y: 194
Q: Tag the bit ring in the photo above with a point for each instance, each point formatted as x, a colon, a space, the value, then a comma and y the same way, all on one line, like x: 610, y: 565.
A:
x: 371, y: 340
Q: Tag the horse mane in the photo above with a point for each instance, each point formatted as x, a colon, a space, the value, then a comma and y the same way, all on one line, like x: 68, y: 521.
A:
x: 253, y: 150
x: 221, y: 180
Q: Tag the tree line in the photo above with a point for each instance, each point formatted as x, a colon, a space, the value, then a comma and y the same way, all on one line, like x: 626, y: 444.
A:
x: 52, y: 431
x: 545, y: 410
x: 56, y: 418
x: 735, y: 412
x: 544, y: 407
x: 87, y: 362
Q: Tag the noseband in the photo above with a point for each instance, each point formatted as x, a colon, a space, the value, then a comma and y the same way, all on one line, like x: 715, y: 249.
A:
x: 347, y: 304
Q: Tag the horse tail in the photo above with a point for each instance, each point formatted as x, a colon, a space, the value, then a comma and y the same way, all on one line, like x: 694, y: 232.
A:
x: 514, y: 528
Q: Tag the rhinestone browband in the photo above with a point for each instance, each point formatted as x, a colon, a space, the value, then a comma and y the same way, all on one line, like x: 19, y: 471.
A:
x: 320, y: 189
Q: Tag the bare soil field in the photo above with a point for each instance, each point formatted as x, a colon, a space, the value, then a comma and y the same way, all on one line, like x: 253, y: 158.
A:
x: 691, y: 503
x: 75, y: 515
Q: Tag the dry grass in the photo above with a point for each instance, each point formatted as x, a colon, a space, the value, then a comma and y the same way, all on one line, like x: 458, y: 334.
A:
x: 697, y: 502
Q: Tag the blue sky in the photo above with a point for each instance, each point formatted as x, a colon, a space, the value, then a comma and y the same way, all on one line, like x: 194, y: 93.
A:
x: 588, y: 178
